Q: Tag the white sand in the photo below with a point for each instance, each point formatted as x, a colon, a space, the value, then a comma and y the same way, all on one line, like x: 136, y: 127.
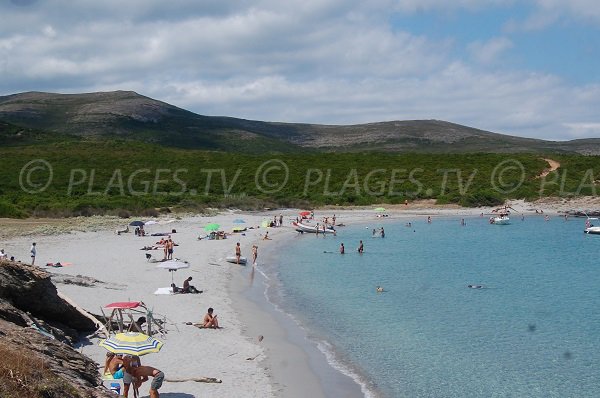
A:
x: 282, y: 367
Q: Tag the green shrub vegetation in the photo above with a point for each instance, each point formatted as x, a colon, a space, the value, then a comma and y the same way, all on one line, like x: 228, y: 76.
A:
x: 126, y: 178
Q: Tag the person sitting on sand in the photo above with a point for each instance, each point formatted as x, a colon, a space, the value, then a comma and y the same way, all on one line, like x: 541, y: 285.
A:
x: 113, y: 366
x: 266, y: 237
x: 137, y: 325
x: 187, y: 288
x: 210, y: 320
x: 142, y: 373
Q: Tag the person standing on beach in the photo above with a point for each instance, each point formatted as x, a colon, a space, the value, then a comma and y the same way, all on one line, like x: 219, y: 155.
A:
x: 170, y: 246
x: 238, y: 253
x: 33, y: 252
x: 134, y: 362
x: 361, y: 248
x: 142, y: 373
x: 254, y: 254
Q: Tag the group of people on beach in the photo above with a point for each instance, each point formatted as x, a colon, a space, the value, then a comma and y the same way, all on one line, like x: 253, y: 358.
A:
x: 32, y: 252
x: 238, y: 253
x: 131, y: 370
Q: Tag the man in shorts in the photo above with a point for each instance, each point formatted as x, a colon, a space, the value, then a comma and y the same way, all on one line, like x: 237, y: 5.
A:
x: 142, y: 373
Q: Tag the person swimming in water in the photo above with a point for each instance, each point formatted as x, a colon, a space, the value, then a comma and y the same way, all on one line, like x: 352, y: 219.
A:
x: 475, y: 286
x: 379, y: 289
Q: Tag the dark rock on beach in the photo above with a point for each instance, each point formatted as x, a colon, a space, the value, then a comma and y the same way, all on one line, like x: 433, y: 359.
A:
x: 37, y: 331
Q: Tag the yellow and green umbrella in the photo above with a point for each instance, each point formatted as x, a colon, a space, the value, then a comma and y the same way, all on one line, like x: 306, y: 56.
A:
x: 380, y: 209
x: 132, y: 343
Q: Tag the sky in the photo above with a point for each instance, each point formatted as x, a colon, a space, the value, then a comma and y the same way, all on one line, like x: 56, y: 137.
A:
x: 524, y: 68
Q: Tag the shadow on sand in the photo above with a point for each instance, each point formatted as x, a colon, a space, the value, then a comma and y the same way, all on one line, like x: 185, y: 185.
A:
x: 175, y: 395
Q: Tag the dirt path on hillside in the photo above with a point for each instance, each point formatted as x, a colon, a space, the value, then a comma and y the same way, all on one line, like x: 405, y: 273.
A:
x: 554, y: 165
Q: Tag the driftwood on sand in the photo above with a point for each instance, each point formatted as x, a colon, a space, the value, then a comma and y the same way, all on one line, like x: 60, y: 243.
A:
x: 198, y: 379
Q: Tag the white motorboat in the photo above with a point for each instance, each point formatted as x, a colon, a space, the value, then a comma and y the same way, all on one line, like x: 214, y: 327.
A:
x: 501, y: 219
x: 590, y: 228
x: 321, y: 229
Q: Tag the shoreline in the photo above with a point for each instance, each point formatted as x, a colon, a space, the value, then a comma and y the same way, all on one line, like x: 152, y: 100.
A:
x: 286, y: 364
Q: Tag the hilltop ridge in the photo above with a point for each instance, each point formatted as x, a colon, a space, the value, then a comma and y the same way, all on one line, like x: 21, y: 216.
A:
x: 131, y: 116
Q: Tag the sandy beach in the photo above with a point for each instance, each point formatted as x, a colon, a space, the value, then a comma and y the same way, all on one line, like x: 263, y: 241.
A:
x: 283, y: 364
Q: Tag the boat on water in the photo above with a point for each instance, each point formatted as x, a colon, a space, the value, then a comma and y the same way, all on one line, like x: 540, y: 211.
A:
x: 500, y: 219
x: 313, y: 228
x: 590, y: 228
x: 503, y: 216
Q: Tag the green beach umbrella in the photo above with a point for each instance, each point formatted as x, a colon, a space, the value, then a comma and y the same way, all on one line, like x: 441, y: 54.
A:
x: 380, y: 209
x: 213, y: 226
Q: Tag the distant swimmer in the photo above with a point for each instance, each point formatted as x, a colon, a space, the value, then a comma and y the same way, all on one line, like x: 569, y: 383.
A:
x: 382, y: 233
x: 342, y: 248
x: 475, y: 286
x: 380, y: 289
x: 361, y: 247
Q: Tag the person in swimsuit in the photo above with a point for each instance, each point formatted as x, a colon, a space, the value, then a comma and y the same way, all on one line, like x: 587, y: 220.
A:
x: 210, y: 320
x: 342, y: 248
x: 142, y: 373
x: 170, y: 246
x: 128, y: 379
x: 361, y: 247
x: 238, y: 253
x: 254, y: 254
x: 112, y: 364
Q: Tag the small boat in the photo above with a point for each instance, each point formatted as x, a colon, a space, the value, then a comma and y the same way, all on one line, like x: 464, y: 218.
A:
x: 501, y: 219
x: 313, y: 228
x: 233, y: 259
x: 590, y: 228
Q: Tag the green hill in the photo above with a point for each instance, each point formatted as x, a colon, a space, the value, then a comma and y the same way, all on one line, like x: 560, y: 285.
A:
x: 130, y: 116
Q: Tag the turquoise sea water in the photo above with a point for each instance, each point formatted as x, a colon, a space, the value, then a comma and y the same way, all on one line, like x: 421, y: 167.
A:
x: 532, y: 331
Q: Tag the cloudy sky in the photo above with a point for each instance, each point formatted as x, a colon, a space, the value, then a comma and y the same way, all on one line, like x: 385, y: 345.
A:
x: 528, y: 68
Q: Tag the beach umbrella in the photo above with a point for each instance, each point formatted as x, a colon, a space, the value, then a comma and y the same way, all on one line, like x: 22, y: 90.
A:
x: 305, y: 213
x: 239, y: 221
x: 132, y: 343
x: 213, y: 226
x: 380, y: 209
x: 173, y: 265
x: 137, y: 223
x: 265, y: 223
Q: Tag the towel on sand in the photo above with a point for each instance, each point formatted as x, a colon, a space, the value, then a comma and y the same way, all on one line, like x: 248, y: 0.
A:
x: 164, y: 290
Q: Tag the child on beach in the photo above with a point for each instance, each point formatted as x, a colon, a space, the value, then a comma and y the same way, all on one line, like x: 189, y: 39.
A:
x: 210, y: 320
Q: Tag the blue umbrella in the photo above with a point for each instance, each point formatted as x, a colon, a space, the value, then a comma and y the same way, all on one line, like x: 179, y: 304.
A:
x: 239, y: 221
x: 137, y: 223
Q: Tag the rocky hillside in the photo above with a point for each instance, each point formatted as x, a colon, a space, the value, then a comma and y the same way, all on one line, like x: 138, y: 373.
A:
x: 128, y: 115
x: 37, y: 330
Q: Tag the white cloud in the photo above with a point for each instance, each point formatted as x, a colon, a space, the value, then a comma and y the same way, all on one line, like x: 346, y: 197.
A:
x: 487, y: 52
x: 335, y: 61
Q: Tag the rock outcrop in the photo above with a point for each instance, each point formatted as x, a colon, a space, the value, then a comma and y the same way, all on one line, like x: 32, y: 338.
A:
x: 37, y: 331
